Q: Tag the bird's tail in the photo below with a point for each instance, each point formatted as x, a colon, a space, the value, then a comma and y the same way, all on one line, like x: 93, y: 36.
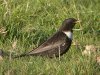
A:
x: 12, y: 56
x: 19, y: 56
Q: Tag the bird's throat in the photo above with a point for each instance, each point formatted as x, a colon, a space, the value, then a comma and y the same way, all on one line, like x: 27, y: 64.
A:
x: 69, y: 34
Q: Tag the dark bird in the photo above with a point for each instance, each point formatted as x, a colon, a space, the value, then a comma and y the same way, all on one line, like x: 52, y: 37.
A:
x: 58, y: 44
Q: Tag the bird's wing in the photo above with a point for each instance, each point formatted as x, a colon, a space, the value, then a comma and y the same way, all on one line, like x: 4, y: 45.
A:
x: 55, y: 41
x: 46, y: 48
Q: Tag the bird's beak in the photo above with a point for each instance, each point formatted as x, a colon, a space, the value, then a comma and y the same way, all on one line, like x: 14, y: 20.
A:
x: 78, y: 21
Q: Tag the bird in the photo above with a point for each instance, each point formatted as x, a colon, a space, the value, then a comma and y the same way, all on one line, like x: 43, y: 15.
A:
x: 58, y: 44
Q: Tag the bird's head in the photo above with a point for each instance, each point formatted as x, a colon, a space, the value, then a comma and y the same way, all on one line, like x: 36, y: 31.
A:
x: 68, y: 24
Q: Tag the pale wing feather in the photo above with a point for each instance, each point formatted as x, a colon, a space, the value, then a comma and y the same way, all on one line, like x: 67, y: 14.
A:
x: 46, y: 48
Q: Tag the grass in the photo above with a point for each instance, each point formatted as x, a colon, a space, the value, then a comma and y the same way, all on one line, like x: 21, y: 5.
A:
x: 30, y: 22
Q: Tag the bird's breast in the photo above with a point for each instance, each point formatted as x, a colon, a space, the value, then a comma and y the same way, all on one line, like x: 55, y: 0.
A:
x: 69, y: 34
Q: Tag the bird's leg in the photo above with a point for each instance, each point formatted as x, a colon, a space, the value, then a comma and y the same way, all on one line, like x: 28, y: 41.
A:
x: 59, y: 52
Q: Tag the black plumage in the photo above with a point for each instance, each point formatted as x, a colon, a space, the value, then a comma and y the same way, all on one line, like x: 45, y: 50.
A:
x: 56, y: 45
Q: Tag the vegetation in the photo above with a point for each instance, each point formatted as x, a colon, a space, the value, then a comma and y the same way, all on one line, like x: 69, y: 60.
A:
x: 25, y: 24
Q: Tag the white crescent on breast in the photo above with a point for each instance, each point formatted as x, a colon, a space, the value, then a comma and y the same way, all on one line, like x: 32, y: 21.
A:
x: 69, y: 34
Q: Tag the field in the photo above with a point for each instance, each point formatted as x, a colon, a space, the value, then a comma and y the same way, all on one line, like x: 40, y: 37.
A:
x: 25, y: 24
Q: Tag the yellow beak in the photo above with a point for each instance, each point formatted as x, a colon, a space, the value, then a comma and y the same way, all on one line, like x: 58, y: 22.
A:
x: 78, y: 21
